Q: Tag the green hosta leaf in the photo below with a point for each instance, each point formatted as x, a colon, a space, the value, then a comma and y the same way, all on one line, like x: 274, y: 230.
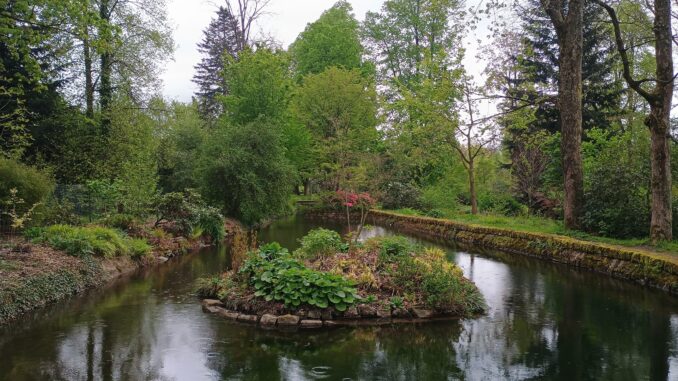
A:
x: 269, y: 298
x: 266, y: 276
x: 322, y: 303
x: 341, y: 294
x: 260, y: 293
x: 341, y: 307
x: 334, y: 299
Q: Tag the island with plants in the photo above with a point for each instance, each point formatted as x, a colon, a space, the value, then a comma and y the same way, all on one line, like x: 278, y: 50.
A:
x: 332, y: 282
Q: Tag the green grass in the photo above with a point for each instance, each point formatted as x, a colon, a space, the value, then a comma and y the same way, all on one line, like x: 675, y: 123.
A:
x: 536, y: 224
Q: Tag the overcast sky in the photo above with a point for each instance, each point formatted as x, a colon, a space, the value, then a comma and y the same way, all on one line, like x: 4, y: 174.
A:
x: 287, y: 19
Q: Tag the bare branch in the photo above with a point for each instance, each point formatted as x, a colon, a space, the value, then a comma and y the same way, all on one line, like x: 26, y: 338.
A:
x: 621, y: 48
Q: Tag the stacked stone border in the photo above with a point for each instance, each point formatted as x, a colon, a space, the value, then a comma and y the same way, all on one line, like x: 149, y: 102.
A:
x: 361, y: 315
x: 648, y: 268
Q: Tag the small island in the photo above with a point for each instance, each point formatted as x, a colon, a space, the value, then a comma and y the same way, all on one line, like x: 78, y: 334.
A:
x: 331, y: 282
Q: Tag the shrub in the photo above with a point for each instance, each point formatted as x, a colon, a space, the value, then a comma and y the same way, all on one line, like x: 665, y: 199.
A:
x: 208, y: 287
x: 244, y: 170
x: 57, y: 212
x: 103, y: 197
x: 501, y: 203
x: 320, y: 243
x: 90, y: 240
x: 617, y: 177
x: 138, y: 248
x: 211, y: 222
x: 32, y: 186
x: 397, y: 195
x: 392, y: 248
x: 275, y: 275
x: 434, y: 213
x: 425, y: 274
x: 190, y: 213
x: 120, y: 221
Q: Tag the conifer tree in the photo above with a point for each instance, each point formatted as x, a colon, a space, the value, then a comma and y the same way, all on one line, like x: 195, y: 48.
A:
x: 221, y: 40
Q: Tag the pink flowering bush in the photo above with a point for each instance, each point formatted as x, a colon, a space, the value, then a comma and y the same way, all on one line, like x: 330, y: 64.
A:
x: 353, y: 203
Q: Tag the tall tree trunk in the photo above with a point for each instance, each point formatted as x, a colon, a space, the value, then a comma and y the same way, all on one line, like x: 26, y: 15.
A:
x: 570, y: 103
x: 661, y: 225
x: 89, y: 82
x: 569, y: 29
x: 105, y: 87
x: 472, y: 187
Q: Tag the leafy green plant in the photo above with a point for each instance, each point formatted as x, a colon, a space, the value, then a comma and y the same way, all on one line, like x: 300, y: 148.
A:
x: 19, y: 182
x: 190, y: 213
x: 392, y: 248
x: 211, y: 222
x: 320, y: 243
x: 396, y: 302
x: 17, y: 219
x: 120, y: 221
x: 90, y: 240
x: 275, y: 275
x: 103, y: 196
x: 208, y: 287
x: 397, y: 195
x: 138, y: 248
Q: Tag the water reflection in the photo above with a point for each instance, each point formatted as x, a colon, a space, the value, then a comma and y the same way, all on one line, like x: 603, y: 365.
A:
x: 545, y: 322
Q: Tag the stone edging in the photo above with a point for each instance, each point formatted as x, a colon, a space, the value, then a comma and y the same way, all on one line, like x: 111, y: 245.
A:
x: 361, y: 315
x: 658, y: 270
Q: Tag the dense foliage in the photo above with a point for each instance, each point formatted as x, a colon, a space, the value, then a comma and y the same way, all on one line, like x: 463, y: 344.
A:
x: 91, y: 240
x: 276, y: 275
x: 190, y: 214
x: 325, y: 272
x: 384, y: 106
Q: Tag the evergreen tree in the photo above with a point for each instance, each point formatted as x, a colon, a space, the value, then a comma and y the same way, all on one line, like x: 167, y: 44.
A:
x: 220, y: 40
x: 539, y: 61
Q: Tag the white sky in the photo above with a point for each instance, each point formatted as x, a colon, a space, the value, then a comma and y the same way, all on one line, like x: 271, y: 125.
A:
x: 288, y: 18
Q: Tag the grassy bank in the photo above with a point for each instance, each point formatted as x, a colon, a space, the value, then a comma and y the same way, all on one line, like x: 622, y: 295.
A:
x: 541, y: 225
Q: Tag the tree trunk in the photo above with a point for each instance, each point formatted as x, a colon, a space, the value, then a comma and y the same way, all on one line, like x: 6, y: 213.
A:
x: 472, y: 187
x: 661, y: 224
x: 89, y: 82
x: 570, y: 37
x: 105, y: 87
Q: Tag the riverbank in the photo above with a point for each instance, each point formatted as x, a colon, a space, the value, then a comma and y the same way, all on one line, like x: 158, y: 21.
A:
x: 649, y: 268
x: 34, y: 275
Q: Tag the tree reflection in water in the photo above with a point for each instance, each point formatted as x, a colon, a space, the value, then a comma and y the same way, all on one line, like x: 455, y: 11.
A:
x: 545, y: 321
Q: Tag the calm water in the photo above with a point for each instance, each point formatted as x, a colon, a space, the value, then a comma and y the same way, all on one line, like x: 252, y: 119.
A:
x: 545, y: 322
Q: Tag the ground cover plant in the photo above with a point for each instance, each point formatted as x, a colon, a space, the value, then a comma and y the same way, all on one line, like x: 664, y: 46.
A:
x: 90, y: 241
x: 383, y: 272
